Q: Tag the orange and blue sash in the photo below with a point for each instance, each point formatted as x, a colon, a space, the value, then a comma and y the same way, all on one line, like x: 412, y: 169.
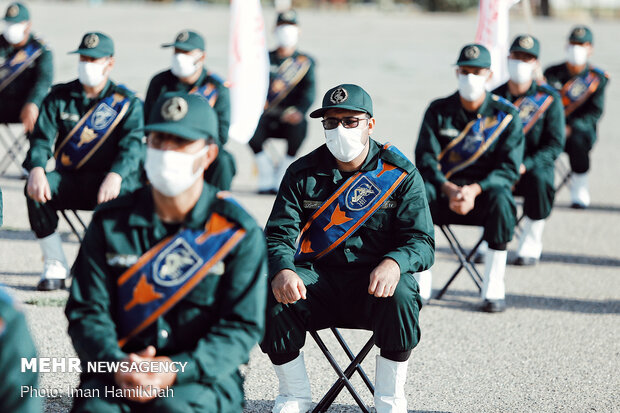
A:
x: 472, y: 142
x: 14, y: 66
x: 169, y: 271
x: 289, y: 74
x: 577, y: 90
x: 531, y: 108
x: 91, y: 132
x: 348, y: 208
x: 208, y: 91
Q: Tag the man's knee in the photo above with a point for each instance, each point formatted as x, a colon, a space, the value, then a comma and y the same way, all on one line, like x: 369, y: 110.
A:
x: 499, y: 197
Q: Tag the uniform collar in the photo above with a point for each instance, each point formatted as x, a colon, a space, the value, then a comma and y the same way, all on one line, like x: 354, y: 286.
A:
x: 143, y: 215
x: 531, y: 91
x: 482, y: 110
x: 78, y: 91
x: 329, y: 167
x: 201, y: 78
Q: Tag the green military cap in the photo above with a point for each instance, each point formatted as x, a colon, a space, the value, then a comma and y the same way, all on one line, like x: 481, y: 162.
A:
x: 16, y: 13
x: 581, y: 34
x: 188, y: 116
x: 287, y: 17
x: 474, y: 55
x: 526, y: 44
x: 345, y: 96
x: 95, y: 44
x: 187, y: 40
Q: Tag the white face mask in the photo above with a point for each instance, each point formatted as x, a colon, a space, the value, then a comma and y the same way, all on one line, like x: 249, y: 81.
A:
x: 172, y: 172
x: 91, y: 74
x: 345, y: 144
x: 183, y: 65
x: 520, y: 71
x: 577, y: 55
x: 471, y: 86
x: 287, y: 35
x: 15, y: 33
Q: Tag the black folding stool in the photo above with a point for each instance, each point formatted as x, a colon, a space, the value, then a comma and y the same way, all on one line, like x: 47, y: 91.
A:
x: 73, y: 225
x: 345, y: 375
x: 15, y: 146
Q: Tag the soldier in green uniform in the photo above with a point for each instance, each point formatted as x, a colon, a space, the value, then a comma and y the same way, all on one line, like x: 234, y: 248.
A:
x: 582, y: 88
x: 291, y: 92
x: 174, y: 272
x: 469, y: 151
x: 15, y: 344
x: 91, y: 127
x: 542, y: 115
x: 26, y: 69
x: 188, y: 74
x: 364, y: 227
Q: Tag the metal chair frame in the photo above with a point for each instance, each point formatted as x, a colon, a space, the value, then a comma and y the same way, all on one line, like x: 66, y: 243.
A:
x: 73, y: 226
x: 15, y: 147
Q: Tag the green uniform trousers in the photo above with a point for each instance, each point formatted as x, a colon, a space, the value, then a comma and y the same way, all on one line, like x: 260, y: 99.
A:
x: 225, y: 396
x: 273, y: 127
x: 495, y: 210
x: 538, y: 189
x: 221, y: 172
x: 339, y: 298
x: 578, y: 146
x: 69, y: 191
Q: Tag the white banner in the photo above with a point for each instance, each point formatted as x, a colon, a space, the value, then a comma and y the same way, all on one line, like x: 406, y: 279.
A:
x: 248, y: 73
x: 493, y: 34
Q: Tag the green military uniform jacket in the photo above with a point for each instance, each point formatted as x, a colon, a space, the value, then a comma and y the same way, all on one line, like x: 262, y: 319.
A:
x: 15, y: 344
x: 213, y: 328
x: 33, y: 83
x: 123, y: 151
x: 302, y: 95
x: 167, y: 82
x: 402, y: 229
x: 444, y: 119
x: 583, y: 120
x: 544, y: 142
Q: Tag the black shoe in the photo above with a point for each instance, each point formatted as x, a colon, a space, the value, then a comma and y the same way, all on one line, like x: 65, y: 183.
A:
x: 493, y: 306
x: 51, y: 284
x: 525, y: 261
x: 268, y: 192
x: 577, y: 205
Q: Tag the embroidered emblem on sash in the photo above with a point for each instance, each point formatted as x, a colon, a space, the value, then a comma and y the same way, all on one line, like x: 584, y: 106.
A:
x: 361, y: 194
x: 176, y: 263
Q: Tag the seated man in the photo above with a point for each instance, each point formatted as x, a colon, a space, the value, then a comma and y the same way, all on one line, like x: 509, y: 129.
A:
x: 542, y: 116
x: 90, y: 126
x: 364, y: 228
x: 582, y: 87
x: 175, y: 272
x: 291, y: 92
x: 188, y: 74
x: 26, y: 69
x: 469, y: 151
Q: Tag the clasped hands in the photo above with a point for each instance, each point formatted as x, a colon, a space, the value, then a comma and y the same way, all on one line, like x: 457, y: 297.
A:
x: 461, y: 199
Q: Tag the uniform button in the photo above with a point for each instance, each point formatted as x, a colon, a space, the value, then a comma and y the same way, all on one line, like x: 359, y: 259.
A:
x: 347, y: 250
x: 163, y: 334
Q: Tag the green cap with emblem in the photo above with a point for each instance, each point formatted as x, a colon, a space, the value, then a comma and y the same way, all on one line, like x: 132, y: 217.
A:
x: 96, y: 45
x: 345, y: 96
x: 187, y: 40
x: 581, y: 34
x: 185, y: 115
x: 475, y: 55
x: 287, y: 17
x: 526, y: 44
x: 16, y: 13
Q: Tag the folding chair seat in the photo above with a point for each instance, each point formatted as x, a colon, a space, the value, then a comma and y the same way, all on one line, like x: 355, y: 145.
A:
x: 73, y: 225
x: 464, y: 257
x: 15, y: 146
x: 345, y: 375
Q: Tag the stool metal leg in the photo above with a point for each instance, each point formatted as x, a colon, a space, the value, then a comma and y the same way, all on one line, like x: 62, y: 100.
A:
x: 344, y: 376
x: 351, y: 356
x: 14, y: 147
x: 73, y: 229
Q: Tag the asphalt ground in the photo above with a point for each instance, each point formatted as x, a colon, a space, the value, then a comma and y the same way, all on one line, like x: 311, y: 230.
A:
x: 555, y: 349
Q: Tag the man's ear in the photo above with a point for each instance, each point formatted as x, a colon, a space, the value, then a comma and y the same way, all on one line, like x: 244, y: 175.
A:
x: 211, y: 154
x: 371, y: 125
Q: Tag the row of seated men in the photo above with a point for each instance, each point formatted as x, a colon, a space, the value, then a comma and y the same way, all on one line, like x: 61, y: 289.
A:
x: 177, y: 271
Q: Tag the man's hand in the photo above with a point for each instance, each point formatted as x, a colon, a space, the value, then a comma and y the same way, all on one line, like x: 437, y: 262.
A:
x: 149, y: 382
x: 28, y: 116
x: 384, y: 278
x: 522, y: 169
x: 569, y: 131
x: 38, y: 188
x: 110, y: 187
x: 292, y: 115
x: 287, y: 287
x: 464, y: 202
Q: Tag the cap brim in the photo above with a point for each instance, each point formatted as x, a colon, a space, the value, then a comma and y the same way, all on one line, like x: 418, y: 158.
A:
x: 90, y: 53
x: 522, y: 50
x: 473, y: 64
x: 182, y: 46
x: 177, y: 130
x: 14, y: 19
x: 321, y: 111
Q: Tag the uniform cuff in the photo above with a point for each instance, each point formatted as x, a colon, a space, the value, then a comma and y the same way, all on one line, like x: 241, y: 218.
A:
x: 402, y: 261
x: 278, y: 264
x: 191, y: 373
